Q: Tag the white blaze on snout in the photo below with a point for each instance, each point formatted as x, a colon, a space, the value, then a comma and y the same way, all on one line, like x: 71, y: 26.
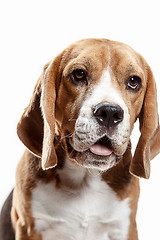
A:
x: 106, y: 91
x: 87, y: 130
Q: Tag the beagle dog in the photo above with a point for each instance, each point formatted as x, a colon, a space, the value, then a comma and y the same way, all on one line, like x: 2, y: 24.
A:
x: 77, y: 179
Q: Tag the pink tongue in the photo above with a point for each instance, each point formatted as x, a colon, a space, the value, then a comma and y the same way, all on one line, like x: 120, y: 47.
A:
x: 100, y: 150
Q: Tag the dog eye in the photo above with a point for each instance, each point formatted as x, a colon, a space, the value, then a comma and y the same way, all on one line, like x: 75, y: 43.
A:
x: 79, y: 76
x: 134, y: 83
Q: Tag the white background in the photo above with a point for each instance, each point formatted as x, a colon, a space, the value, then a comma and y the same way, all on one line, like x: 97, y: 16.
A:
x: 32, y: 32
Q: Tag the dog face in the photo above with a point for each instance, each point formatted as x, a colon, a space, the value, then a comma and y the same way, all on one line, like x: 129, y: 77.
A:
x: 93, y: 92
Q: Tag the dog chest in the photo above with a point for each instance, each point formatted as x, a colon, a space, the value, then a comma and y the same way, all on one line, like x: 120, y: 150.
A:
x: 90, y: 212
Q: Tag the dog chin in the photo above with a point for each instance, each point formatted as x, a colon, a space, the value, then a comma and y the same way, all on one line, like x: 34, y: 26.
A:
x: 88, y: 159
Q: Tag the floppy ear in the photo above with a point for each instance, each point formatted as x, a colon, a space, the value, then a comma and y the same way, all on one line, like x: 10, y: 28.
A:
x: 149, y: 143
x: 36, y: 127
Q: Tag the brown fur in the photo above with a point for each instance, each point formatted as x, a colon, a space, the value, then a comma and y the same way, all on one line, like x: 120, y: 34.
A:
x: 53, y: 109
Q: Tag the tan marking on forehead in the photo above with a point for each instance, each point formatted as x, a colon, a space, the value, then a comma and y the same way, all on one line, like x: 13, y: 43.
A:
x: 122, y: 55
x: 93, y: 51
x: 109, y: 56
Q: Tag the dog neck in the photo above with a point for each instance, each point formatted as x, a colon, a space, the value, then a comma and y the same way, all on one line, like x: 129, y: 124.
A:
x: 74, y: 176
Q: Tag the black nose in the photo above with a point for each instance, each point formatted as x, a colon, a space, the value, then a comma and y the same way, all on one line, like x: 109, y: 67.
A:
x: 108, y: 115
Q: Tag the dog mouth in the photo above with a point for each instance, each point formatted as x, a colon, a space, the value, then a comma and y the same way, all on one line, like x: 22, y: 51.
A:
x: 103, y: 147
x: 99, y: 155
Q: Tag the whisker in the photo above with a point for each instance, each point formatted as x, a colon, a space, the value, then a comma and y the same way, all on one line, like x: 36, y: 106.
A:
x: 63, y: 147
x: 69, y: 135
x: 72, y: 119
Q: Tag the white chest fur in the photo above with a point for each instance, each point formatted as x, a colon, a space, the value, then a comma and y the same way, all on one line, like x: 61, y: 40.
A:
x: 89, y: 212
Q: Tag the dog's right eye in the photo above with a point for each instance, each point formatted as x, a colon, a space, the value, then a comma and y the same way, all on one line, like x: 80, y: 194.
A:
x: 134, y: 83
x: 79, y: 77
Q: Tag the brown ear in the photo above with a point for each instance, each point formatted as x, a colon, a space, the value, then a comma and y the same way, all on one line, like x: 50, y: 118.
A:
x: 36, y: 127
x: 149, y: 142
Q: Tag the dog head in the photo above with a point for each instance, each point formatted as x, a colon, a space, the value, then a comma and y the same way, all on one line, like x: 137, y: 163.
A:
x: 91, y: 95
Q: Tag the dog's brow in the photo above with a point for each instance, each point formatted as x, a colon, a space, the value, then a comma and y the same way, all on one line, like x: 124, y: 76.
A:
x: 130, y: 68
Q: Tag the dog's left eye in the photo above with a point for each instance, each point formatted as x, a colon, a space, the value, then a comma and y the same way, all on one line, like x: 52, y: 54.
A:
x: 134, y: 83
x: 79, y: 76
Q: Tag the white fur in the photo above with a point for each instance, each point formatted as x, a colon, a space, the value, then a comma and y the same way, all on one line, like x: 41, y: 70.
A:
x: 83, y: 208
